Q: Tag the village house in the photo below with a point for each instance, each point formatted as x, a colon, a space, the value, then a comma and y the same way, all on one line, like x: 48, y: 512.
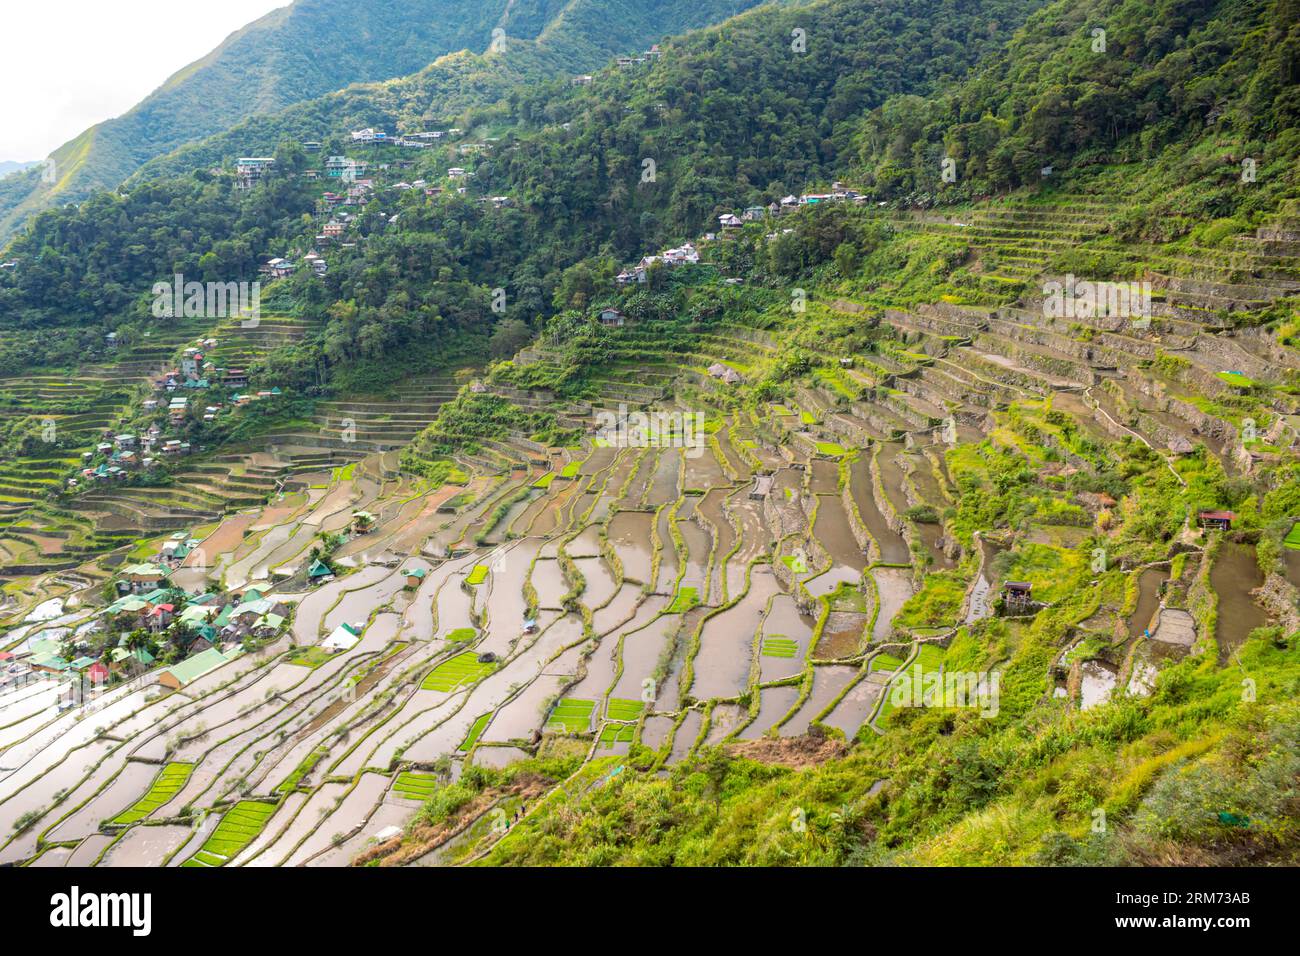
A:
x: 1216, y: 520
x: 369, y: 136
x: 333, y: 229
x: 191, y: 669
x: 277, y: 268
x: 252, y: 169
x: 342, y: 638
x: 141, y: 579
x: 160, y: 617
x: 1017, y: 595
x: 414, y: 577
x: 612, y: 318
x: 724, y: 373
x: 729, y: 221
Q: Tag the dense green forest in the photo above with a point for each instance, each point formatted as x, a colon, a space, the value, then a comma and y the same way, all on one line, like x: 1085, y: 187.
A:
x: 313, y: 47
x: 1105, y: 83
x: 729, y: 115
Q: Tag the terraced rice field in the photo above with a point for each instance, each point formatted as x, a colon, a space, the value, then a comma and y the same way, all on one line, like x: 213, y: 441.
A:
x: 624, y: 605
x: 169, y: 782
x: 239, y: 826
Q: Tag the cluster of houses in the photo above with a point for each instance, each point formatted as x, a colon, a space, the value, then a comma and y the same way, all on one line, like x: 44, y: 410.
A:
x: 623, y: 63
x: 45, y: 655
x: 680, y: 256
x: 375, y: 137
x: 839, y: 193
x: 117, y: 457
x: 649, y: 56
x: 199, y: 632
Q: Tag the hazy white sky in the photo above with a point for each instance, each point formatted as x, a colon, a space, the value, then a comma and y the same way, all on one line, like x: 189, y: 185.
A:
x: 68, y: 64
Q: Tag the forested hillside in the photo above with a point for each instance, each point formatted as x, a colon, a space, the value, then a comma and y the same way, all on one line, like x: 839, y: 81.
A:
x: 304, y: 50
x: 729, y: 115
x: 1178, y: 94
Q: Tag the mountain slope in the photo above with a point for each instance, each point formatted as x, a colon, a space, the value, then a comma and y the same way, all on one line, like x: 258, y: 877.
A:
x: 583, y: 36
x: 299, y: 52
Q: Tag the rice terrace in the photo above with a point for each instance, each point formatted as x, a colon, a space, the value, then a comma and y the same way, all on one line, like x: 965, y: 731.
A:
x: 650, y: 442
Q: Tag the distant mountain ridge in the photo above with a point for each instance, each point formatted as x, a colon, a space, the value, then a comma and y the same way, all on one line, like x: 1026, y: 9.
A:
x: 8, y: 166
x: 299, y: 52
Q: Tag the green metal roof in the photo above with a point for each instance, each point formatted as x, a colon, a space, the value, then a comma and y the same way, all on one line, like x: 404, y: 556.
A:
x: 191, y: 670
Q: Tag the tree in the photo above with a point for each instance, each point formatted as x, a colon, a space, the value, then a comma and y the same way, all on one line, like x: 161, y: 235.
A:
x: 508, y: 338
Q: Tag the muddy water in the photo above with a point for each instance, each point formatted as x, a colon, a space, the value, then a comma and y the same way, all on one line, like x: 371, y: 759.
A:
x: 669, y: 559
x: 754, y: 541
x: 784, y: 619
x: 351, y: 813
x: 891, y: 475
x: 585, y: 545
x: 600, y: 583
x: 1234, y: 574
x: 723, y: 662
x: 841, y: 635
x: 684, y: 739
x: 635, y: 487
x: 893, y: 549
x: 933, y: 538
x: 55, y: 856
x: 503, y: 527
x: 454, y: 604
x: 548, y: 580
x: 386, y: 815
x: 418, y: 622
x: 1291, y: 562
x: 702, y: 469
x: 643, y: 649
x: 356, y: 606
x: 503, y: 599
x: 824, y: 477
x: 498, y: 757
x: 894, y: 587
x: 852, y: 711
x: 722, y: 722
x: 773, y: 704
x: 832, y: 530
x: 521, y: 716
x: 655, y: 731
x: 698, y: 544
x: 663, y: 487
x: 827, y: 684
x: 828, y: 581
x: 146, y: 846
x: 556, y: 515
x: 1099, y: 679
x: 1148, y: 601
x: 618, y: 610
x: 89, y: 850
x: 710, y: 508
x: 629, y: 533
